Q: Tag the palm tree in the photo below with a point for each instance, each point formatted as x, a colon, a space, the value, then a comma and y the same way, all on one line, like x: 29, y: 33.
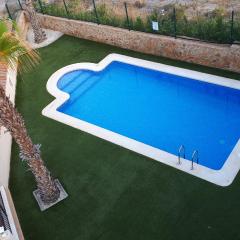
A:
x: 39, y: 34
x: 14, y: 51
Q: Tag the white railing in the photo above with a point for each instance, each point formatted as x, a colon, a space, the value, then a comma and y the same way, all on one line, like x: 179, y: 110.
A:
x: 9, y: 230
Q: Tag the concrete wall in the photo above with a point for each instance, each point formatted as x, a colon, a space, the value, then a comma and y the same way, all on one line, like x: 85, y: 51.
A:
x: 5, y: 137
x: 8, y: 79
x: 213, y: 55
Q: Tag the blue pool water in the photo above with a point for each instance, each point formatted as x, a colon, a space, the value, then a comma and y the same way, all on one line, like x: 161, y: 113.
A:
x: 158, y: 109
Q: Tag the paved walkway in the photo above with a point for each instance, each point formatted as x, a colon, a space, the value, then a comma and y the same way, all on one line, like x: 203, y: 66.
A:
x: 52, y: 36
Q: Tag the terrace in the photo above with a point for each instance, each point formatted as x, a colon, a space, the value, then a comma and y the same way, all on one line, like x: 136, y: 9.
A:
x: 114, y: 193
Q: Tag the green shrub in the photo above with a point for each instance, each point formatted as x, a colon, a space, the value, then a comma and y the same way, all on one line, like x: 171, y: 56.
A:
x: 214, y: 26
x: 54, y: 10
x: 107, y: 18
x: 138, y: 24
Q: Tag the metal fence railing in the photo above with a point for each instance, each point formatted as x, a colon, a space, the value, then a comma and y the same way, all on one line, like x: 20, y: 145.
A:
x: 12, y: 7
x: 236, y: 27
x: 217, y: 26
x: 4, y: 222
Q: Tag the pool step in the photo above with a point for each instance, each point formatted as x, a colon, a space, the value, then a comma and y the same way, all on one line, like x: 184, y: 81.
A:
x: 72, y: 80
x: 75, y: 85
x: 67, y: 78
x: 84, y: 87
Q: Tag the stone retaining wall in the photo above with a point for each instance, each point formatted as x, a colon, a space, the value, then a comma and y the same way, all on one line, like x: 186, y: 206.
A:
x: 213, y: 55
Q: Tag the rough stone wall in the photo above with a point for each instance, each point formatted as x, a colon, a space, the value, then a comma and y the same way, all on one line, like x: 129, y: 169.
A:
x: 213, y: 55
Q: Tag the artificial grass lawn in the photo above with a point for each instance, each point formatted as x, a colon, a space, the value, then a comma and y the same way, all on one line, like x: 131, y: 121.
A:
x: 114, y: 194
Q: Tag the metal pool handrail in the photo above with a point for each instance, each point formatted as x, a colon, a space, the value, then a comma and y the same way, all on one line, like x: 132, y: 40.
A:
x: 195, y: 156
x: 181, y: 150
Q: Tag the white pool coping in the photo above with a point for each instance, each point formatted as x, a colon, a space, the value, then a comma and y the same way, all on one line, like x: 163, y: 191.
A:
x: 222, y: 177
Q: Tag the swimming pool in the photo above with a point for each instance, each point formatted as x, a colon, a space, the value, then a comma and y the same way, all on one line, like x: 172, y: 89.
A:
x: 153, y: 109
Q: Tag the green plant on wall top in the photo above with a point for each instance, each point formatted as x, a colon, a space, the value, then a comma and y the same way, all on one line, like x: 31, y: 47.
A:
x: 214, y: 26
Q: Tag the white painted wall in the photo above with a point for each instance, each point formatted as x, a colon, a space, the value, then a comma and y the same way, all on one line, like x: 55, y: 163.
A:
x: 5, y: 137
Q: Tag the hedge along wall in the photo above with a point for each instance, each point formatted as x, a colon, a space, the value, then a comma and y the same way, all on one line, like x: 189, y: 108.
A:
x: 213, y: 55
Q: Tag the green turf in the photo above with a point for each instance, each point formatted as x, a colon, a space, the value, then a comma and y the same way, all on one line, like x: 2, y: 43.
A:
x: 114, y: 194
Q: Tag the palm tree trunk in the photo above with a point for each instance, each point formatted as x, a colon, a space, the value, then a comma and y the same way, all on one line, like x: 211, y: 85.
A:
x: 11, y: 119
x: 39, y: 34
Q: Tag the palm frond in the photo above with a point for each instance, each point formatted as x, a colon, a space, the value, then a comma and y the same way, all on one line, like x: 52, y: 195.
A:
x: 14, y: 51
x: 3, y: 27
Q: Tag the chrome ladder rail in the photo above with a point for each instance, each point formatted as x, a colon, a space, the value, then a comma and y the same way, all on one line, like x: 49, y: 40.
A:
x: 181, y: 150
x: 194, y: 156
